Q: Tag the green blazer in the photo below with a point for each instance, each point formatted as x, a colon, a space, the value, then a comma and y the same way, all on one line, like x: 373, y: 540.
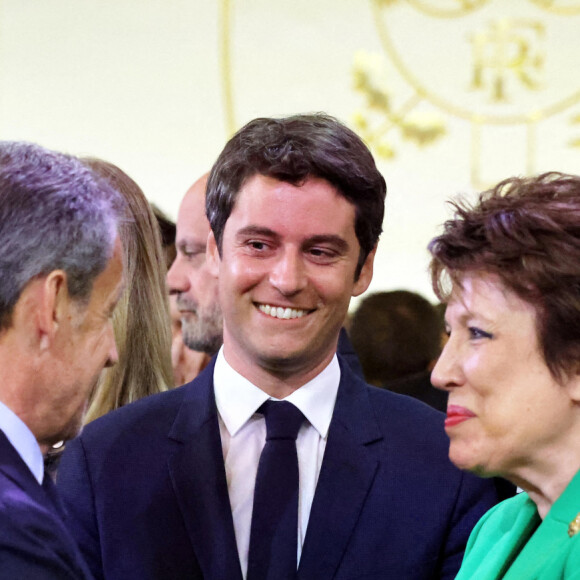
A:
x: 513, y: 543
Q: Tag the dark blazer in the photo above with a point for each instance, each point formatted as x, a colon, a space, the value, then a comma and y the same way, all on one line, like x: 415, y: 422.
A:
x: 347, y: 352
x: 34, y: 542
x: 146, y: 490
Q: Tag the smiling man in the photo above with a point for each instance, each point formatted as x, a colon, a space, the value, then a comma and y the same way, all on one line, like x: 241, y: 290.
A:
x: 277, y: 462
x: 61, y: 263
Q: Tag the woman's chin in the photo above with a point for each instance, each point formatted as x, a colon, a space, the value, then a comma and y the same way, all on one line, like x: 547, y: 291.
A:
x: 466, y: 461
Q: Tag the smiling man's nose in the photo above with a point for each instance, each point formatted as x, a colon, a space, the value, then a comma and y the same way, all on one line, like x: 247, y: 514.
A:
x: 288, y: 274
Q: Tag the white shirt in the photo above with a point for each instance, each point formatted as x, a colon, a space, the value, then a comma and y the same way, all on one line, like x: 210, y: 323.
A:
x: 243, y: 435
x: 22, y: 439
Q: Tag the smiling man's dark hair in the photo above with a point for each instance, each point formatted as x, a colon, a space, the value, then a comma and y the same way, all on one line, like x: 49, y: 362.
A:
x: 292, y: 149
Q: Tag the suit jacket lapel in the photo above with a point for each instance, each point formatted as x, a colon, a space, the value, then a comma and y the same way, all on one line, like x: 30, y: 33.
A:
x: 46, y: 498
x: 13, y: 466
x: 347, y: 473
x: 199, y: 481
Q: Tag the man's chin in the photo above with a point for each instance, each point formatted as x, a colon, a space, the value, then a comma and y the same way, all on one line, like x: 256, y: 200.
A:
x: 208, y: 342
x: 287, y: 361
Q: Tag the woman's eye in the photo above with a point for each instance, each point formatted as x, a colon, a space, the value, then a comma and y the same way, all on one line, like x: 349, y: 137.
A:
x: 476, y: 333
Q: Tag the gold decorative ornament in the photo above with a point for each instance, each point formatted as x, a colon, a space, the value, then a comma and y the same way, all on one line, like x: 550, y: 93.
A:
x: 378, y: 118
x: 501, y: 71
x: 574, y: 526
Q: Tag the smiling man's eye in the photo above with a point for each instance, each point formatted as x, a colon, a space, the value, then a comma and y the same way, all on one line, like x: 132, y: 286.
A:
x: 320, y: 252
x: 322, y: 255
x: 257, y: 245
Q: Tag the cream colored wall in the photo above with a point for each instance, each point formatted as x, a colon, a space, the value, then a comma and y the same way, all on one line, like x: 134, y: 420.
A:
x: 141, y: 83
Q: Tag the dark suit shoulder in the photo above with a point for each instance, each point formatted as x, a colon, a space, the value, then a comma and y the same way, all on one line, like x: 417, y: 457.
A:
x: 404, y: 404
x: 33, y: 542
x: 161, y: 406
x: 152, y: 415
x: 401, y: 416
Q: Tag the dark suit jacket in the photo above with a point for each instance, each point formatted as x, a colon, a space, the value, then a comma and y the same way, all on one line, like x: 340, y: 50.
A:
x: 34, y: 543
x: 347, y: 352
x: 146, y: 490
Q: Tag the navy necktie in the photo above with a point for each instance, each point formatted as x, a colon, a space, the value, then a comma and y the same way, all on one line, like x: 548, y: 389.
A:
x: 274, y: 530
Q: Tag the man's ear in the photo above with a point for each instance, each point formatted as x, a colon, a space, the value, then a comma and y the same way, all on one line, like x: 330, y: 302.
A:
x: 366, y: 274
x: 53, y: 306
x: 212, y: 255
x: 573, y: 387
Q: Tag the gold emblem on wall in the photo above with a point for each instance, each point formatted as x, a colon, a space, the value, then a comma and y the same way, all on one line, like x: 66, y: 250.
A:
x: 502, y: 68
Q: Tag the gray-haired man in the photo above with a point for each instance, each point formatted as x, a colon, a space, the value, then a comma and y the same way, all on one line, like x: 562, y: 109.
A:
x: 61, y: 276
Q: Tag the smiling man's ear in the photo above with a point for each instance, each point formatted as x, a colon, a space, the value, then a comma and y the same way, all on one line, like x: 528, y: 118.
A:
x: 573, y: 387
x: 366, y: 274
x: 212, y: 255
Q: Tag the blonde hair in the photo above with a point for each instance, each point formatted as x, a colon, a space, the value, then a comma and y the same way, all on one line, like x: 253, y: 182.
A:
x: 141, y: 320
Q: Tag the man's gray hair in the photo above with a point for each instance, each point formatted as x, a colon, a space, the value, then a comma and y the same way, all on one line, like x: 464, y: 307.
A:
x: 55, y: 213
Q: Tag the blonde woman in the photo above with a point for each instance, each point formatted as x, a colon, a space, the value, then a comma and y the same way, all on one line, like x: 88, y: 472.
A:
x: 141, y: 319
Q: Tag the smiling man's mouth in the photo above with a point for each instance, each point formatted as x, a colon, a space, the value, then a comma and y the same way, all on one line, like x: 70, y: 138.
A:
x: 280, y: 312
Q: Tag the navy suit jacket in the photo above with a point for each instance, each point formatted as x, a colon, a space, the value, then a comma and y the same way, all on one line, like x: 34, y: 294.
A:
x: 146, y: 491
x: 34, y: 542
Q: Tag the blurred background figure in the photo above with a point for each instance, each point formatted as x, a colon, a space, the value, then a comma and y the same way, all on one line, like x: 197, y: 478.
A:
x: 186, y: 362
x: 193, y: 289
x: 168, y: 231
x: 397, y: 336
x: 440, y: 307
x: 141, y: 319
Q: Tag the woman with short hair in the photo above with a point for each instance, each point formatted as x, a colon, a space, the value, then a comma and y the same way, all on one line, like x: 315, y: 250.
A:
x: 509, y: 269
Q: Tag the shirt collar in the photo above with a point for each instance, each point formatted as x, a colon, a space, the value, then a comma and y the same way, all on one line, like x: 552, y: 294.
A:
x: 23, y: 440
x: 237, y: 399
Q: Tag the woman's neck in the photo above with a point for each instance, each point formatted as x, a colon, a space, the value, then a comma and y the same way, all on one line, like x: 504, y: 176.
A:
x: 546, y: 480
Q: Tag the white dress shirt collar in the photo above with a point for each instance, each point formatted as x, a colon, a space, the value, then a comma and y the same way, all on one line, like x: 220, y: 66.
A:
x: 23, y: 440
x: 238, y: 399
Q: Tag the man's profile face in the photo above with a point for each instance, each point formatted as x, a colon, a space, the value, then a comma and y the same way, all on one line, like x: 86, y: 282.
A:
x: 287, y: 273
x: 86, y: 346
x: 189, y: 278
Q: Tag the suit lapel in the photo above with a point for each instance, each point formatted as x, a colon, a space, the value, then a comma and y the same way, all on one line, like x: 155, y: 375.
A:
x: 13, y: 466
x: 347, y: 473
x: 45, y: 498
x: 198, y: 476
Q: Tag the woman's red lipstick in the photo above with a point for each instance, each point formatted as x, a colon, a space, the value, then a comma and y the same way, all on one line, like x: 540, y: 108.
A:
x: 456, y: 415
